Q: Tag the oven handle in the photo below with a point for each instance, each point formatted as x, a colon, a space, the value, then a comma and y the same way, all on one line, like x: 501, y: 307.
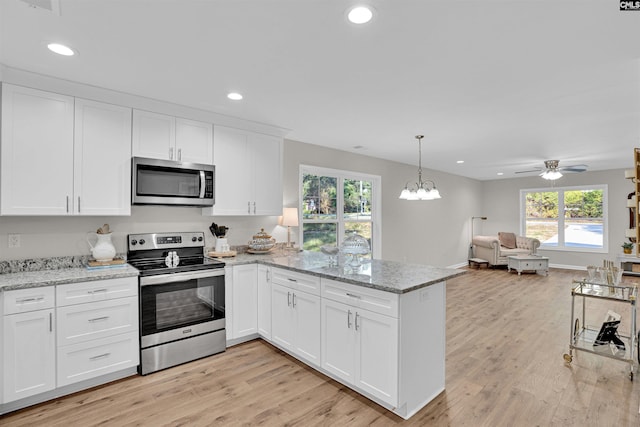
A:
x: 161, y: 279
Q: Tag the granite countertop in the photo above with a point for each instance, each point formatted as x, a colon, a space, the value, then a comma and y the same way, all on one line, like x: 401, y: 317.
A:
x: 390, y: 276
x: 55, y: 271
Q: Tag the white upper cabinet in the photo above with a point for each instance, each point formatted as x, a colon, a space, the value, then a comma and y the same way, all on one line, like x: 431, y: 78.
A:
x: 248, y: 173
x: 102, y: 159
x: 36, y: 174
x: 159, y: 136
x: 63, y: 156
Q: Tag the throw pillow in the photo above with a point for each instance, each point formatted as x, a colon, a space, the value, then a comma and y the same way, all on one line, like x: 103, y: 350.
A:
x: 508, y: 240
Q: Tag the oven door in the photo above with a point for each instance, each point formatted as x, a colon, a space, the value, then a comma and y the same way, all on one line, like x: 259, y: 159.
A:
x: 181, y: 305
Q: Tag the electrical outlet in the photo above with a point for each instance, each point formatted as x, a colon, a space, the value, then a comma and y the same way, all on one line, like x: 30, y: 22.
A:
x: 13, y: 240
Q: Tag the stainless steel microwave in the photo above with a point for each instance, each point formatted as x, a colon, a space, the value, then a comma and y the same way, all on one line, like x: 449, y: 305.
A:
x: 167, y: 182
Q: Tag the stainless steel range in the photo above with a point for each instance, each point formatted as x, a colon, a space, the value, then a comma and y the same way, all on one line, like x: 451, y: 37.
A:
x: 182, y: 313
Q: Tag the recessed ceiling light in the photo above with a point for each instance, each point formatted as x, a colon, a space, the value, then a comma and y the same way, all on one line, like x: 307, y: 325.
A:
x: 360, y: 14
x: 61, y: 49
x: 460, y: 162
x: 235, y: 96
x: 500, y: 174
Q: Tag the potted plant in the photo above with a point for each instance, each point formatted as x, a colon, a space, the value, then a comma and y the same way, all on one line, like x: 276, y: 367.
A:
x: 626, y: 247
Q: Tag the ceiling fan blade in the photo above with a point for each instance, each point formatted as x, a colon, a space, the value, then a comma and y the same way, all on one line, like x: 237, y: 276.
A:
x: 531, y: 171
x: 573, y: 168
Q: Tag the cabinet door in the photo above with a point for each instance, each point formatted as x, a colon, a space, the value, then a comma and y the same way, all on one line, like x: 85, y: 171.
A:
x: 234, y: 182
x: 264, y: 301
x: 102, y: 159
x: 194, y: 141
x: 338, y: 340
x: 154, y: 135
x: 267, y: 167
x: 29, y: 354
x: 245, y: 300
x: 282, y: 316
x: 307, y: 322
x: 36, y: 152
x: 377, y: 355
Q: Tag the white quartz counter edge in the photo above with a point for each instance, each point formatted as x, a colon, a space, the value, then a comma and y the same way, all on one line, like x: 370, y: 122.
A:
x: 34, y: 279
x: 389, y: 276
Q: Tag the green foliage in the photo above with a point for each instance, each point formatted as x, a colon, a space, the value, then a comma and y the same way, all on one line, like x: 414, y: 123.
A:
x: 578, y: 204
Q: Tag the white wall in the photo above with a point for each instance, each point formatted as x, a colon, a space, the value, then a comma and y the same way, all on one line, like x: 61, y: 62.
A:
x: 501, y: 206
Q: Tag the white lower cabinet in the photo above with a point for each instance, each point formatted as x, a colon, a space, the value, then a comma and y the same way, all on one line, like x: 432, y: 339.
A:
x: 361, y: 348
x: 264, y: 301
x: 29, y: 354
x: 244, y: 300
x: 295, y: 322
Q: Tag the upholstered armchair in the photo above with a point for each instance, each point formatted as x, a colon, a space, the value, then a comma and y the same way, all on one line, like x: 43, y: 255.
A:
x: 491, y: 248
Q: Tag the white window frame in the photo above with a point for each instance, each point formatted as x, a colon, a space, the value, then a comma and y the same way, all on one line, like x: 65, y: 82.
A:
x: 561, y: 190
x: 341, y: 175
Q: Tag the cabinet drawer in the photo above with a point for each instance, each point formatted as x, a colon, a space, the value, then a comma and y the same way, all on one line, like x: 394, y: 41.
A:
x: 90, y: 359
x: 79, y: 323
x: 99, y: 290
x: 295, y: 280
x: 31, y: 299
x: 358, y: 296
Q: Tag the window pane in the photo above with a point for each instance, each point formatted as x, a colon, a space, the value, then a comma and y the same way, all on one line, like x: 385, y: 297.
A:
x: 316, y: 235
x: 583, y: 212
x: 362, y: 228
x: 542, y: 217
x: 357, y: 199
x: 319, y: 197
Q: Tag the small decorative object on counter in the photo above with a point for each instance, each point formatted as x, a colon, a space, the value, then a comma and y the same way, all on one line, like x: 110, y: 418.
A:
x: 222, y: 248
x: 354, y: 247
x: 332, y: 251
x: 261, y: 243
x: 627, y: 247
x: 103, y: 250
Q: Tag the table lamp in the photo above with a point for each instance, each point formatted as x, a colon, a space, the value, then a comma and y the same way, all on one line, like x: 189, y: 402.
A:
x: 289, y: 219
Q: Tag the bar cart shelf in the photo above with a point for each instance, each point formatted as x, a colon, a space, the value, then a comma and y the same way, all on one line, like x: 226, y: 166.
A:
x: 583, y: 336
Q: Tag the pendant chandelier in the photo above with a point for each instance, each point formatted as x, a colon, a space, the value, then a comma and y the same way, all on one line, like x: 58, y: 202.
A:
x: 423, y: 190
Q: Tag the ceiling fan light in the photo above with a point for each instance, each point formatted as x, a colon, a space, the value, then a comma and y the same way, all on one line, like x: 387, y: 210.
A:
x: 551, y: 175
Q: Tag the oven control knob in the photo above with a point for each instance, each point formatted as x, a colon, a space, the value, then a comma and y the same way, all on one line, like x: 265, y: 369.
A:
x: 141, y: 241
x: 194, y: 238
x: 200, y: 239
x: 134, y: 242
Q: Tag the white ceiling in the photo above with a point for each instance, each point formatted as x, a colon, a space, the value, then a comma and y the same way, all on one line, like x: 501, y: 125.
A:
x: 502, y: 85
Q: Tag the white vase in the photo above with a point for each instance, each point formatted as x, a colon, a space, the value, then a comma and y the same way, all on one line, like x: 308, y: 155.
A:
x: 103, y: 250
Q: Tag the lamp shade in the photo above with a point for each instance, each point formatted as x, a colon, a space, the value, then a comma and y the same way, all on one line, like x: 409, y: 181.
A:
x: 290, y: 217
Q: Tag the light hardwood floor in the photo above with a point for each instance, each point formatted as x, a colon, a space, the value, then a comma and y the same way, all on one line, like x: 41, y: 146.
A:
x: 506, y: 335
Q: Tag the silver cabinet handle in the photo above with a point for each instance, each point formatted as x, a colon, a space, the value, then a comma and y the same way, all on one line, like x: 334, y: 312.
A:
x: 254, y: 208
x: 29, y: 299
x: 100, y: 356
x: 349, y: 319
x: 268, y: 275
x: 248, y: 207
x: 97, y: 319
x: 357, y: 315
x: 67, y: 204
x: 288, y: 299
x: 78, y: 204
x: 50, y: 322
x: 294, y: 300
x: 171, y: 153
x: 180, y: 154
x: 354, y: 296
x: 292, y: 280
x: 95, y: 291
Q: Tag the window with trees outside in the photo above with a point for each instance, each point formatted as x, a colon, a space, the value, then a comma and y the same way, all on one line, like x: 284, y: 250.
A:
x: 336, y: 203
x: 570, y: 218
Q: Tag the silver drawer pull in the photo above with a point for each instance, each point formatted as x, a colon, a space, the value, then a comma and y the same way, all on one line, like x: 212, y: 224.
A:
x: 292, y: 280
x: 100, y: 356
x: 30, y: 299
x: 354, y: 296
x: 349, y: 319
x: 357, y: 315
x: 95, y: 291
x: 97, y: 319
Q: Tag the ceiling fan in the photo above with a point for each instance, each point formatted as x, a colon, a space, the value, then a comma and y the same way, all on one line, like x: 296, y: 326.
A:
x: 552, y: 171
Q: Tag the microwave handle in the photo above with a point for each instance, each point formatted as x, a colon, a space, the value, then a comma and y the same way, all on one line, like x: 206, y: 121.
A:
x: 203, y: 184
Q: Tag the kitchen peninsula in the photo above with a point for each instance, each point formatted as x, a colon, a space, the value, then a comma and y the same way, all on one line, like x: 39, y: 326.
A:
x: 378, y: 328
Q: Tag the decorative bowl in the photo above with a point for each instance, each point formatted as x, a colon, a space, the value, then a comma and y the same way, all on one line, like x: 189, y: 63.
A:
x: 262, y: 242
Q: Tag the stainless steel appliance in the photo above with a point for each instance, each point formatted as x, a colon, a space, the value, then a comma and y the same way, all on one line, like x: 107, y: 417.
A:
x: 182, y: 311
x: 166, y: 182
